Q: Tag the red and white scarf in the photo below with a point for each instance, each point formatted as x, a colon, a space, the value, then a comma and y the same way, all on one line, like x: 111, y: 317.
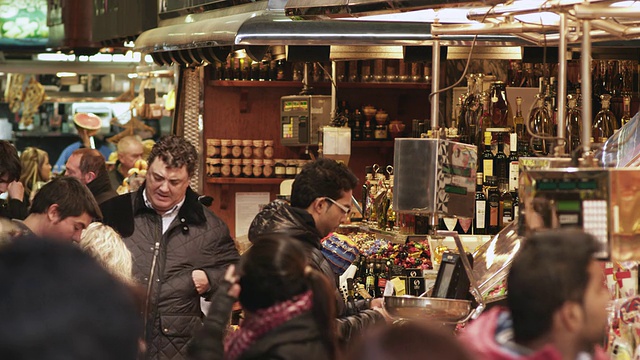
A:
x: 263, y: 321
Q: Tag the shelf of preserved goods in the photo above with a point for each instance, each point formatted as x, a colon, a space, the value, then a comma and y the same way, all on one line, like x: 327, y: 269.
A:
x: 245, y: 181
x: 340, y: 85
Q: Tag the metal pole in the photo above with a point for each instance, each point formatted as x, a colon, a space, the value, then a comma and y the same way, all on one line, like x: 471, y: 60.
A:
x: 562, y: 81
x: 435, y: 85
x: 585, y: 78
x: 333, y: 90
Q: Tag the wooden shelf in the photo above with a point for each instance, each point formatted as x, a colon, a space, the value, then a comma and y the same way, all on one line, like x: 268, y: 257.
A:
x: 341, y: 85
x: 373, y: 144
x: 245, y: 181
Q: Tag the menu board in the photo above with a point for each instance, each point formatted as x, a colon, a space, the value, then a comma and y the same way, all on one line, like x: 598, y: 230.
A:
x: 23, y: 23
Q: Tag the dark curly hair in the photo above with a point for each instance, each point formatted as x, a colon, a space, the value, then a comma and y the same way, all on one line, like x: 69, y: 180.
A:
x: 321, y: 178
x: 176, y: 152
x: 9, y: 161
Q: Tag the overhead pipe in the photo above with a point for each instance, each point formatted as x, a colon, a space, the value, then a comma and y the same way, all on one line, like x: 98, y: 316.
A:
x: 562, y: 82
x: 589, y: 12
x: 520, y: 8
x: 477, y: 29
x: 585, y: 78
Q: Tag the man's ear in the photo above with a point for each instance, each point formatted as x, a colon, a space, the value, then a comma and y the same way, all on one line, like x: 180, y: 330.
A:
x: 317, y: 206
x: 53, y: 213
x: 89, y: 177
x: 570, y: 316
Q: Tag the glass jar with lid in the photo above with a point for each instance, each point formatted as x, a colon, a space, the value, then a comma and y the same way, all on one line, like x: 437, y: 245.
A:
x: 225, y: 168
x: 268, y: 149
x: 280, y: 168
x: 225, y: 148
x: 247, y: 168
x: 267, y: 168
x: 292, y: 168
x: 236, y: 148
x: 247, y: 149
x: 257, y: 168
x: 236, y: 167
x: 216, y: 165
x: 258, y: 149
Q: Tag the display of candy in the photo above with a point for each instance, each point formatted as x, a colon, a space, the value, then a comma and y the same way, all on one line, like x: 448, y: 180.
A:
x: 413, y: 254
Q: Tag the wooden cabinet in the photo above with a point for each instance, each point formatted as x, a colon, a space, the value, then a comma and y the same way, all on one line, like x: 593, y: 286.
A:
x: 251, y: 110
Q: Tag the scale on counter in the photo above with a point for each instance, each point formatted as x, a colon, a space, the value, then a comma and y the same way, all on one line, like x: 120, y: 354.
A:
x: 302, y: 117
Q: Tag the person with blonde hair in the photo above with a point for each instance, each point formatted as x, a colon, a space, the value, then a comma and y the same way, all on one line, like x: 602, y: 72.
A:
x: 107, y: 247
x: 36, y: 170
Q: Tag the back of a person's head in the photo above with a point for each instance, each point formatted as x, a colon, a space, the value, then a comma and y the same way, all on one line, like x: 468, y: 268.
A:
x: 91, y: 160
x: 106, y: 246
x: 176, y: 152
x: 274, y: 270
x: 321, y: 178
x: 10, y: 167
x: 32, y: 160
x: 72, y: 197
x: 59, y: 303
x: 408, y: 341
x: 550, y: 269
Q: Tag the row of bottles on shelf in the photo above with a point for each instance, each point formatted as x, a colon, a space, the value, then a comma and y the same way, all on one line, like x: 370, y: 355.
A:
x: 367, y: 123
x: 479, y: 111
x: 243, y: 68
x: 614, y: 77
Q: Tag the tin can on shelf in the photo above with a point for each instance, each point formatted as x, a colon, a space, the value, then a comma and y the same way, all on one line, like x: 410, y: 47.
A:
x: 292, y: 168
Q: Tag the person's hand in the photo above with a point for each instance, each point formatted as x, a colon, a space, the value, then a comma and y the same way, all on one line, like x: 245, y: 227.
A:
x: 16, y: 190
x: 201, y: 281
x: 231, y: 277
x: 377, y: 303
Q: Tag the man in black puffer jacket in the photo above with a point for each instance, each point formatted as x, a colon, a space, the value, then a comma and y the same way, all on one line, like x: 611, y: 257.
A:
x: 180, y: 249
x: 320, y: 202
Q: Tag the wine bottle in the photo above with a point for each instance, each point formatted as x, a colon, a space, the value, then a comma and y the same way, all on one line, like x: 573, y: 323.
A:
x: 506, y: 204
x: 499, y: 105
x: 514, y: 164
x: 518, y: 121
x: 603, y: 124
x: 479, y: 227
x: 487, y: 157
x: 501, y: 162
x: 574, y: 124
x: 626, y: 110
x: 493, y: 206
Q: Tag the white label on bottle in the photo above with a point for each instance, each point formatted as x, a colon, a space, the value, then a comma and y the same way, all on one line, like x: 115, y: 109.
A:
x: 487, y: 168
x: 516, y: 211
x: 514, y: 175
x: 481, y: 208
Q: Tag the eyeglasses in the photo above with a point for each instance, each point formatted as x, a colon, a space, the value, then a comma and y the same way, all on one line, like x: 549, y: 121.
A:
x: 346, y: 209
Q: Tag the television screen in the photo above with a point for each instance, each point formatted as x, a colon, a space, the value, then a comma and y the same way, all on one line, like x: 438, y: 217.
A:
x: 23, y: 23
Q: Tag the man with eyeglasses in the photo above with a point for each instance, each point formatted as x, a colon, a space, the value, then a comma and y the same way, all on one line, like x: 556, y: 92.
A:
x: 320, y: 201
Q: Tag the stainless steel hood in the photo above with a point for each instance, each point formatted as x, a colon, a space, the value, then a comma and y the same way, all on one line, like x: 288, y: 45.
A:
x: 313, y: 9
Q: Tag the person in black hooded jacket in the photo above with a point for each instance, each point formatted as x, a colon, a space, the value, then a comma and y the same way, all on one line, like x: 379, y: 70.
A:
x: 320, y: 202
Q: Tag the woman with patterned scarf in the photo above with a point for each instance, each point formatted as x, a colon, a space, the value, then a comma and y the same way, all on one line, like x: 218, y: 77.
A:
x: 289, y: 310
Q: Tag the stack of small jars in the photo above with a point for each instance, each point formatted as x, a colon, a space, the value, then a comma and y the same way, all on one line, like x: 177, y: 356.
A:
x: 240, y: 158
